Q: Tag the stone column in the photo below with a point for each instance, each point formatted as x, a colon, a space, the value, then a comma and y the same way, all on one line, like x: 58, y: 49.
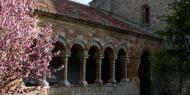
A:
x: 112, y: 70
x: 83, y: 81
x: 64, y: 60
x: 22, y: 83
x: 124, y: 65
x: 45, y: 83
x: 99, y: 69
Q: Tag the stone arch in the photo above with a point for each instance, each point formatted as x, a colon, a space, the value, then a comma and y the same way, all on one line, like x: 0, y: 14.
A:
x: 64, y: 42
x: 121, y: 63
x: 123, y: 47
x: 119, y: 66
x: 96, y: 44
x: 74, y: 62
x: 145, y: 48
x: 109, y: 45
x: 56, y: 63
x: 108, y: 62
x: 79, y: 42
x: 91, y: 65
x: 59, y: 46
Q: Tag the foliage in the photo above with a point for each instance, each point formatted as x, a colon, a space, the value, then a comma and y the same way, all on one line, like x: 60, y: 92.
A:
x: 173, y: 62
x: 164, y: 73
x: 25, y: 47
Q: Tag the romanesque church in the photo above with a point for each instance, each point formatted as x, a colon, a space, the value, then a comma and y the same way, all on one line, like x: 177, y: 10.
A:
x: 104, y: 47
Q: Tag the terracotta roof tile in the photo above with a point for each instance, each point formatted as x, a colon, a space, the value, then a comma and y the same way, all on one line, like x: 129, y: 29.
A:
x: 80, y: 11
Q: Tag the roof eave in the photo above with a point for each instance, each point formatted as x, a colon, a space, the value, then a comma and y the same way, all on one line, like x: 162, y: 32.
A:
x: 55, y: 14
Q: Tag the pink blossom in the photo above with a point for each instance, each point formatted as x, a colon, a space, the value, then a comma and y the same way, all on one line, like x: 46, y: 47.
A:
x: 25, y: 49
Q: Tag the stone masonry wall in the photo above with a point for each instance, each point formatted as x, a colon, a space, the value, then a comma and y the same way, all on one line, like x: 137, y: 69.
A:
x: 102, y: 4
x: 130, y: 10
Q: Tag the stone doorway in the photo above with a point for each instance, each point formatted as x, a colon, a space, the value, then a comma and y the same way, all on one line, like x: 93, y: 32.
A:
x: 144, y: 74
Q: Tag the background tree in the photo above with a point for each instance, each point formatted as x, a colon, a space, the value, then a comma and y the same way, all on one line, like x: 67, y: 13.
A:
x: 25, y: 47
x: 171, y: 66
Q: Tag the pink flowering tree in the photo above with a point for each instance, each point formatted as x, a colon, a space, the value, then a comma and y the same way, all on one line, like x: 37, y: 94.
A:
x: 25, y: 48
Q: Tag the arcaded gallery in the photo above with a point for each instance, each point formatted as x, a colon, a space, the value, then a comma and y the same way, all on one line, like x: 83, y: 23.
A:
x: 97, y: 54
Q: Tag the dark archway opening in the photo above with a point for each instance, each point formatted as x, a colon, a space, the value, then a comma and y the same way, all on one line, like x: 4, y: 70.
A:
x: 106, y: 64
x: 74, y: 65
x: 119, y: 67
x: 56, y: 64
x: 144, y: 74
x: 91, y: 65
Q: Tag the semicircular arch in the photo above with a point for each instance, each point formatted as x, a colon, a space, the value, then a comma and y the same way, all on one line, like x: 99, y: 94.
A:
x: 96, y: 44
x: 64, y: 42
x: 110, y: 45
x: 78, y: 42
x: 123, y: 47
x: 145, y: 48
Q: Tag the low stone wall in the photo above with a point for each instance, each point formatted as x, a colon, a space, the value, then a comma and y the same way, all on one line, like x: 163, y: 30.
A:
x: 125, y: 88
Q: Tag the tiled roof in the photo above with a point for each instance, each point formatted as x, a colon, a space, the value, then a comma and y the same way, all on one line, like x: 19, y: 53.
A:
x: 79, y: 11
x: 83, y: 12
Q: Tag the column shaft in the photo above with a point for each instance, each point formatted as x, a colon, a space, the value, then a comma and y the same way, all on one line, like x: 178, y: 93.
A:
x: 65, y: 81
x: 45, y: 83
x: 99, y: 70
x: 83, y: 81
x: 112, y: 70
x: 124, y: 65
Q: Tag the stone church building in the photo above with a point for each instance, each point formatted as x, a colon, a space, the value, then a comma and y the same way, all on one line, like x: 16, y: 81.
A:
x: 104, y: 47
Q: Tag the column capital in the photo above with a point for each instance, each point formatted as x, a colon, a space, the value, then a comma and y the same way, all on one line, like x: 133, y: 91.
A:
x: 66, y: 55
x: 84, y: 56
x: 112, y: 57
x: 124, y: 58
x: 99, y: 56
